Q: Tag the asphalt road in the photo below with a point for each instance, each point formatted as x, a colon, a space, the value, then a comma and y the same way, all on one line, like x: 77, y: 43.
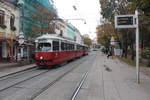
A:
x: 36, y: 87
x: 92, y: 77
x: 64, y: 89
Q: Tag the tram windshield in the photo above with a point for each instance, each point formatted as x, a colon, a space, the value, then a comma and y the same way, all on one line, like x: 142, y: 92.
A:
x: 44, y: 47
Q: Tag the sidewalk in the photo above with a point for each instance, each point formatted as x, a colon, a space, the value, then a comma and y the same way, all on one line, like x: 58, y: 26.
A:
x: 9, y: 68
x: 120, y: 82
x: 144, y: 70
x: 110, y: 79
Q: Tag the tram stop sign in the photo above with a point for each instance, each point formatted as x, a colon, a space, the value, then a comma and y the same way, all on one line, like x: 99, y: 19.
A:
x: 125, y: 21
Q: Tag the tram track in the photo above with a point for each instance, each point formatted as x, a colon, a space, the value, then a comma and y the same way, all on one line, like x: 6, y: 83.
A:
x: 76, y: 89
x: 42, y: 89
x: 14, y: 78
x: 54, y: 81
x: 75, y: 93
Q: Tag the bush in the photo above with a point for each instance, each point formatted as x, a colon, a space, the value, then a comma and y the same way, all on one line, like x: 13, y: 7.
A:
x: 148, y: 65
x: 146, y: 54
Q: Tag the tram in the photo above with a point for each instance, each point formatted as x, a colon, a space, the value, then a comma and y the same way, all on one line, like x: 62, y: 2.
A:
x: 53, y: 50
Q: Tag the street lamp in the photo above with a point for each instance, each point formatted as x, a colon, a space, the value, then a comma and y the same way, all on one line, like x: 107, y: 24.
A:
x: 21, y: 38
x: 77, y: 19
x: 74, y: 7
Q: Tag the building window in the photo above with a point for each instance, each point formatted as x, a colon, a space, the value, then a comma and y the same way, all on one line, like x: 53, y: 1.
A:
x: 2, y: 18
x: 12, y: 21
x: 2, y: 13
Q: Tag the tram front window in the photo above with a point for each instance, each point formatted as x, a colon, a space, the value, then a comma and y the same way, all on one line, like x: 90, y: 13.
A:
x: 44, y: 47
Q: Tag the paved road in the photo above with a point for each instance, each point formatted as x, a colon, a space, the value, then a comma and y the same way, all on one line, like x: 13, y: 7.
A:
x: 64, y: 89
x: 27, y: 89
x: 107, y: 79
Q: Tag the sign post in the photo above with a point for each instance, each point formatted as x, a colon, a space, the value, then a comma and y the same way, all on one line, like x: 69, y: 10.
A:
x: 130, y: 21
x: 137, y: 47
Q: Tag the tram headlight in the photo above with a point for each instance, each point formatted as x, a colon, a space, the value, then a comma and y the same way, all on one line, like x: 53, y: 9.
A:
x: 41, y: 57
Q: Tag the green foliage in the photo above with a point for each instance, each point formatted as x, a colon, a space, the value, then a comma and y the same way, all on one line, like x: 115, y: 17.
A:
x: 87, y: 40
x: 104, y: 34
x: 104, y: 40
x: 146, y: 54
x: 109, y: 8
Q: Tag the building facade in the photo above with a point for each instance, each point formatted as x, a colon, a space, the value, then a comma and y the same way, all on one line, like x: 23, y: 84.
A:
x: 35, y: 18
x: 21, y: 21
x: 9, y: 29
x: 67, y: 30
x: 25, y: 19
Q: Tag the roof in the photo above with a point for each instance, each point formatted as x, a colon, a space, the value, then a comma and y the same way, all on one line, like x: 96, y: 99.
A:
x: 49, y: 36
x: 54, y: 37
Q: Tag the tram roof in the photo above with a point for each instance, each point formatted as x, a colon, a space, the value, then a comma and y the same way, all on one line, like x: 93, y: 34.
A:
x: 49, y: 36
x: 55, y: 37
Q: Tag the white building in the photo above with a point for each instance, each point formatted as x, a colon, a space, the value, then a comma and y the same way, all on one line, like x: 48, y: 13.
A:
x: 67, y: 30
x: 9, y: 29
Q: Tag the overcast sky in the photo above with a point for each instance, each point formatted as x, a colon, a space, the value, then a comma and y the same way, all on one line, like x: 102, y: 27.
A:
x: 86, y: 9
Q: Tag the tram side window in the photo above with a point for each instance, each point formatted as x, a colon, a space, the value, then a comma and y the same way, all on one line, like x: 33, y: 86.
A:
x: 65, y: 46
x: 73, y: 47
x: 55, y: 45
x: 77, y: 47
x: 69, y: 46
x: 62, y: 46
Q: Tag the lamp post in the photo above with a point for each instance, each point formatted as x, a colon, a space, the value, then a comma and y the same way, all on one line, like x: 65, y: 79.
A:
x: 21, y: 40
x: 21, y: 36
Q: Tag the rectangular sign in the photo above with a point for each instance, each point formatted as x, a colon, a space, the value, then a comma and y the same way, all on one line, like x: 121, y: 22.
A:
x: 125, y: 21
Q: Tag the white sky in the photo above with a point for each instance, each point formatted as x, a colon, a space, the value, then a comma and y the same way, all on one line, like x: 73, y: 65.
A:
x: 86, y: 9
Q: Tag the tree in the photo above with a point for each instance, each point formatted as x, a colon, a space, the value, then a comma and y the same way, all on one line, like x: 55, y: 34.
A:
x: 109, y: 8
x: 87, y: 40
x: 104, y: 34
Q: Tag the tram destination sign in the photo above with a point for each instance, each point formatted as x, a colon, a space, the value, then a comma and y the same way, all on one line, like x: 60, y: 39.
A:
x: 125, y: 21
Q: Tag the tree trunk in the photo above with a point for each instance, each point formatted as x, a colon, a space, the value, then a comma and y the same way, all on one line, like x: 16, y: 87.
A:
x: 126, y: 45
x: 132, y: 47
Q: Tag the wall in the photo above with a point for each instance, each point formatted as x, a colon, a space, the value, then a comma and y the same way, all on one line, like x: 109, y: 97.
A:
x: 8, y: 33
x: 7, y: 36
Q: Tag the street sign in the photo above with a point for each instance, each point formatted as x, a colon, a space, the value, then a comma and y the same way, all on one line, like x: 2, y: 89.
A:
x: 112, y: 41
x: 125, y: 21
x: 131, y: 21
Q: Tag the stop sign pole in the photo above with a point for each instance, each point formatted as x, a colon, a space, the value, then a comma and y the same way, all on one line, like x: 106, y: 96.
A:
x: 137, y: 47
x: 131, y: 21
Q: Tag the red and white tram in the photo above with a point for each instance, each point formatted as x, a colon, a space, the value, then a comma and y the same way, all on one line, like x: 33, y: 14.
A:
x: 53, y: 50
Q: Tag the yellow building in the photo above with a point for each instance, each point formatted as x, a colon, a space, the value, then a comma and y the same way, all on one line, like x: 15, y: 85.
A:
x: 9, y: 29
